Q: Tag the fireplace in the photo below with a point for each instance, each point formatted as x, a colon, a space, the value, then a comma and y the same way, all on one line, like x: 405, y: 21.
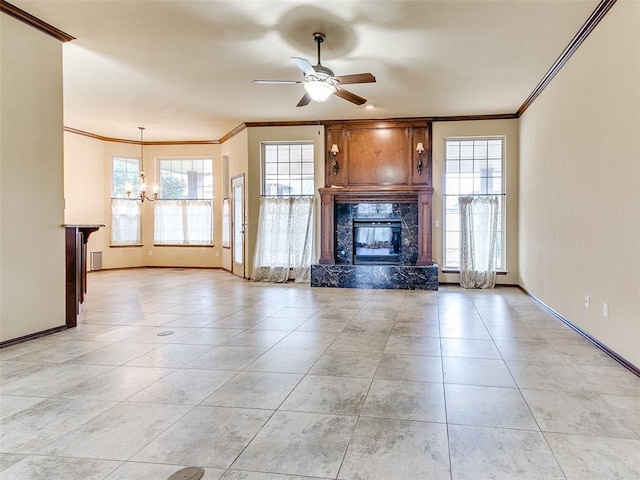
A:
x: 374, y: 245
x: 377, y: 241
x: 375, y: 207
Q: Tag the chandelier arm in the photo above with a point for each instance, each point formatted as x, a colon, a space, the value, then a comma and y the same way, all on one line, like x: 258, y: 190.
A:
x: 142, y: 186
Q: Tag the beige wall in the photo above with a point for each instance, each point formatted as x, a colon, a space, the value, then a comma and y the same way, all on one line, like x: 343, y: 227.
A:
x: 507, y: 128
x: 236, y: 149
x: 32, y: 271
x: 579, y: 171
x: 87, y: 192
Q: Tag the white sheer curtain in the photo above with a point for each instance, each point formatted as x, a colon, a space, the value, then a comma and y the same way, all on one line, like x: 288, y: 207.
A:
x: 125, y: 222
x: 478, y: 234
x: 183, y: 222
x: 285, y: 239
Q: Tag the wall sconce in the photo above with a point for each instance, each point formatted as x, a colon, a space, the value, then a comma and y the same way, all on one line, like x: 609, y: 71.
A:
x: 334, y: 165
x: 420, y: 150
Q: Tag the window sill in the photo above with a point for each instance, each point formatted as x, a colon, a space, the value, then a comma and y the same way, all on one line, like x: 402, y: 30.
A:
x: 135, y: 245
x: 457, y: 272
x: 182, y: 245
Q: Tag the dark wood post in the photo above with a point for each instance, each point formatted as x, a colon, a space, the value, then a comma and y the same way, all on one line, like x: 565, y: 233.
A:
x: 76, y: 238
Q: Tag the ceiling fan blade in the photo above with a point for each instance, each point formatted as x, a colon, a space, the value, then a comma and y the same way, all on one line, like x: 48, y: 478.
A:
x: 304, y: 100
x: 355, y: 78
x: 278, y: 82
x: 304, y: 65
x: 350, y: 96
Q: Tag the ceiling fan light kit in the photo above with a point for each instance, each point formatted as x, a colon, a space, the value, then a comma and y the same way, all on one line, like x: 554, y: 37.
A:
x: 320, y: 82
x: 319, y: 91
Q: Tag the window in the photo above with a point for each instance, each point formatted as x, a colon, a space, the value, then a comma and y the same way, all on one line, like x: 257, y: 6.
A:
x: 287, y: 169
x: 226, y: 223
x: 184, y: 209
x: 472, y: 167
x: 286, y: 220
x: 125, y: 212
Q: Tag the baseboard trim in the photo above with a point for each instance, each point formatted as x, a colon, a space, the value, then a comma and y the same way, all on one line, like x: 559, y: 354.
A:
x: 113, y: 269
x: 616, y: 356
x: 189, y: 267
x: 497, y: 285
x: 31, y: 336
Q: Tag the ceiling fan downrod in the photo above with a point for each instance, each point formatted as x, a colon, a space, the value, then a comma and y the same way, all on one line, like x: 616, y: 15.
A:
x: 319, y: 38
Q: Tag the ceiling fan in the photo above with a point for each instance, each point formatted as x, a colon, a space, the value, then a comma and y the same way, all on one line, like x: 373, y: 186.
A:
x: 320, y: 82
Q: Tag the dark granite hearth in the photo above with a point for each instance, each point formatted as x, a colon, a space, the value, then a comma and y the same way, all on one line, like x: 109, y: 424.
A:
x: 398, y: 277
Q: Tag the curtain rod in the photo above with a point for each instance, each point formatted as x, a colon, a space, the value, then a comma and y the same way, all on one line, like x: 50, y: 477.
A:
x: 475, y: 195
x: 288, y: 196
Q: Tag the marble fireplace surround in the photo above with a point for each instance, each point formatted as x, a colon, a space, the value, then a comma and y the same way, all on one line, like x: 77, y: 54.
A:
x: 339, y: 206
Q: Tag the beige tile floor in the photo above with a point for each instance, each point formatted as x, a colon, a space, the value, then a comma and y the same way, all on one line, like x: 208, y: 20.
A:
x: 285, y: 382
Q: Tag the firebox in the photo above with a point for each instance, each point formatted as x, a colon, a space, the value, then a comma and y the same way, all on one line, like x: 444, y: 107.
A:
x: 376, y: 241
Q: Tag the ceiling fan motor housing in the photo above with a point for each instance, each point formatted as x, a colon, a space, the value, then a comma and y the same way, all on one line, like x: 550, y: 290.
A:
x: 323, y: 71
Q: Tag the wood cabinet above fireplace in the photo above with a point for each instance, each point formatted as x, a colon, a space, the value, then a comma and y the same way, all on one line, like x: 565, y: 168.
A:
x: 378, y: 153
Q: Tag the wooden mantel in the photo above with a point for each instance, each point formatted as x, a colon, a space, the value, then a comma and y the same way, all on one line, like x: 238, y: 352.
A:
x: 386, y: 194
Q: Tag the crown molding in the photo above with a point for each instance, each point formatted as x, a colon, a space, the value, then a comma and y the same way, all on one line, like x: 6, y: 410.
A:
x: 594, y: 19
x: 137, y: 142
x: 19, y: 14
x: 232, y: 133
x: 299, y: 123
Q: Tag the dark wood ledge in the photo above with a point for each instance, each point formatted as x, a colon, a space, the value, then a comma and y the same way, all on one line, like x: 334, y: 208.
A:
x: 385, y: 194
x: 34, y: 22
x: 594, y: 19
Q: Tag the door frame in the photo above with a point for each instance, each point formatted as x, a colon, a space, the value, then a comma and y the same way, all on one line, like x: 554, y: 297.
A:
x: 237, y: 269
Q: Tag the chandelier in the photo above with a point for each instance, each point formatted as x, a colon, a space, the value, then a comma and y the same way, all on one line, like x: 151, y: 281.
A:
x: 142, y: 185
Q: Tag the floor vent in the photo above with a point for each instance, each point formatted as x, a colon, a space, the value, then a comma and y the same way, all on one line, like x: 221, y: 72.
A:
x: 96, y: 260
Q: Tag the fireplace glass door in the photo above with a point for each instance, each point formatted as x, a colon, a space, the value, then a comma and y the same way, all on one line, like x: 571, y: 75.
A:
x: 376, y: 241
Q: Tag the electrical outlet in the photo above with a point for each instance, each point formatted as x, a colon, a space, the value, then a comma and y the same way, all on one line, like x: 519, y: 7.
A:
x: 587, y: 301
x: 217, y: 253
x: 437, y: 223
x: 605, y: 310
x: 150, y: 252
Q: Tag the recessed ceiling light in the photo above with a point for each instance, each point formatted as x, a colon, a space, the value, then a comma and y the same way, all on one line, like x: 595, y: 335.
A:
x: 369, y: 107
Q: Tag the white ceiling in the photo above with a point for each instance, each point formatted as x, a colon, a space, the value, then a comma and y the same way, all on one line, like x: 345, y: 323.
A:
x: 184, y: 69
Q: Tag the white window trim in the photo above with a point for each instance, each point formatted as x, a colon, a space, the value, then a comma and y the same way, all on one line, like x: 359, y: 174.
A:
x: 157, y: 169
x: 284, y: 142
x: 504, y: 267
x: 112, y: 223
